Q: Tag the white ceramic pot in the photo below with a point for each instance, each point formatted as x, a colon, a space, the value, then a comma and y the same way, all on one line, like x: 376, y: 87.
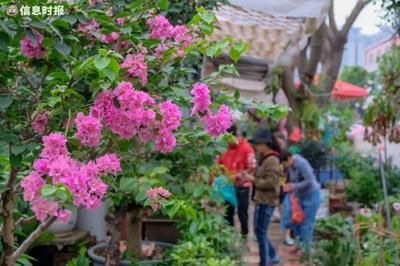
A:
x: 60, y: 227
x: 94, y: 221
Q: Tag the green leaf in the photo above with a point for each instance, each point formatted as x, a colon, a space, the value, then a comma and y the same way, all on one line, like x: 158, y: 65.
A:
x: 112, y: 70
x: 9, y: 31
x: 48, y: 190
x: 237, y: 94
x: 63, y: 48
x: 163, y: 4
x: 128, y: 183
x: 141, y: 196
x: 207, y: 17
x: 207, y: 29
x: 39, y: 24
x: 211, y: 51
x: 71, y: 19
x: 5, y: 101
x: 126, y: 30
x: 18, y: 149
x: 240, y: 46
x: 16, y: 160
x: 4, y: 41
x: 101, y: 62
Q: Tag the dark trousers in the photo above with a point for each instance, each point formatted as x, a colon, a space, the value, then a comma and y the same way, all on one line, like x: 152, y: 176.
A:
x: 242, y: 195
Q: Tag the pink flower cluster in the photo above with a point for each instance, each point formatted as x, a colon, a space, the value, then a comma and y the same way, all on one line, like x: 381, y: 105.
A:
x: 155, y: 195
x: 33, y: 49
x: 112, y: 37
x: 161, y: 28
x: 40, y: 121
x: 220, y: 122
x: 137, y: 67
x: 201, y: 98
x: 216, y: 124
x: 89, y: 27
x: 136, y: 115
x: 88, y: 130
x: 82, y: 180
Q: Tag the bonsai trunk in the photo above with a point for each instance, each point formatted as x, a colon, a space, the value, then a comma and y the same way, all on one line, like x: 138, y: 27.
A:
x: 134, y: 233
x: 8, y: 240
x: 124, y: 226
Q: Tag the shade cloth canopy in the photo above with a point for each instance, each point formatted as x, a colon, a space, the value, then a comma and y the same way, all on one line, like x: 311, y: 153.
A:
x: 342, y: 90
x: 346, y: 91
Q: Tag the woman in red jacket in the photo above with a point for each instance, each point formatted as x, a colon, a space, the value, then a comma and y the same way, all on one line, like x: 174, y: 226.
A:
x: 239, y: 160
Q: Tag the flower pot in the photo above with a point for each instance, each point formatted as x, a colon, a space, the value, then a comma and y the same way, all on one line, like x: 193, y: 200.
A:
x: 160, y: 229
x: 59, y: 227
x: 94, y: 221
x: 99, y: 260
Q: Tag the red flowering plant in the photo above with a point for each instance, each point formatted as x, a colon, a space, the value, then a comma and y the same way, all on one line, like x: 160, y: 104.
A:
x: 96, y: 103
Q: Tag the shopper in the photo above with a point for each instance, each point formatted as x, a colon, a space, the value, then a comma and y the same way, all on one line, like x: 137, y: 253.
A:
x: 266, y: 183
x: 289, y: 241
x: 303, y: 183
x: 240, y: 161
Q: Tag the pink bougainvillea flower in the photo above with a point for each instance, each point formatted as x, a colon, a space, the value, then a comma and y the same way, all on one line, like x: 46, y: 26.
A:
x: 89, y: 27
x: 54, y: 146
x: 165, y: 140
x: 62, y: 168
x: 180, y: 52
x: 157, y: 193
x: 146, y: 134
x: 33, y: 49
x: 94, y: 2
x: 171, y: 115
x: 121, y: 21
x: 108, y: 164
x: 112, y: 37
x: 88, y: 130
x: 181, y: 34
x: 159, y: 51
x: 160, y: 28
x: 201, y: 98
x: 396, y: 206
x: 218, y: 124
x: 136, y: 66
x: 32, y: 184
x: 43, y: 208
x: 42, y: 166
x: 366, y: 212
x: 64, y: 215
x: 40, y: 121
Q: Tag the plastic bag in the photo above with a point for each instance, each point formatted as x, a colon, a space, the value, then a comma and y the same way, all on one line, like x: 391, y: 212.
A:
x: 226, y: 189
x: 297, y: 212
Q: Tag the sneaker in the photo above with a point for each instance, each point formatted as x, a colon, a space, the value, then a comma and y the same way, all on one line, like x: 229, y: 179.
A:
x: 289, y: 241
x: 276, y: 259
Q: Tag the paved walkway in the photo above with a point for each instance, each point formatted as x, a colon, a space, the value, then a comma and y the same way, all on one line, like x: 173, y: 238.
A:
x: 252, y: 257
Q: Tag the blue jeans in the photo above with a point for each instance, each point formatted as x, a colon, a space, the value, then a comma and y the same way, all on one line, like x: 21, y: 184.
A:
x: 310, y: 205
x: 262, y: 218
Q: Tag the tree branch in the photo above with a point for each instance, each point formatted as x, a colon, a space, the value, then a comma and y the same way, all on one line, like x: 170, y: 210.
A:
x: 353, y: 16
x: 35, y: 234
x: 331, y: 16
x: 24, y: 220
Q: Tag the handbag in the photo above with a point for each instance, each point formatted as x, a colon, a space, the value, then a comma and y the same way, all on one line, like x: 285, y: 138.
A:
x: 297, y: 215
x: 224, y: 188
